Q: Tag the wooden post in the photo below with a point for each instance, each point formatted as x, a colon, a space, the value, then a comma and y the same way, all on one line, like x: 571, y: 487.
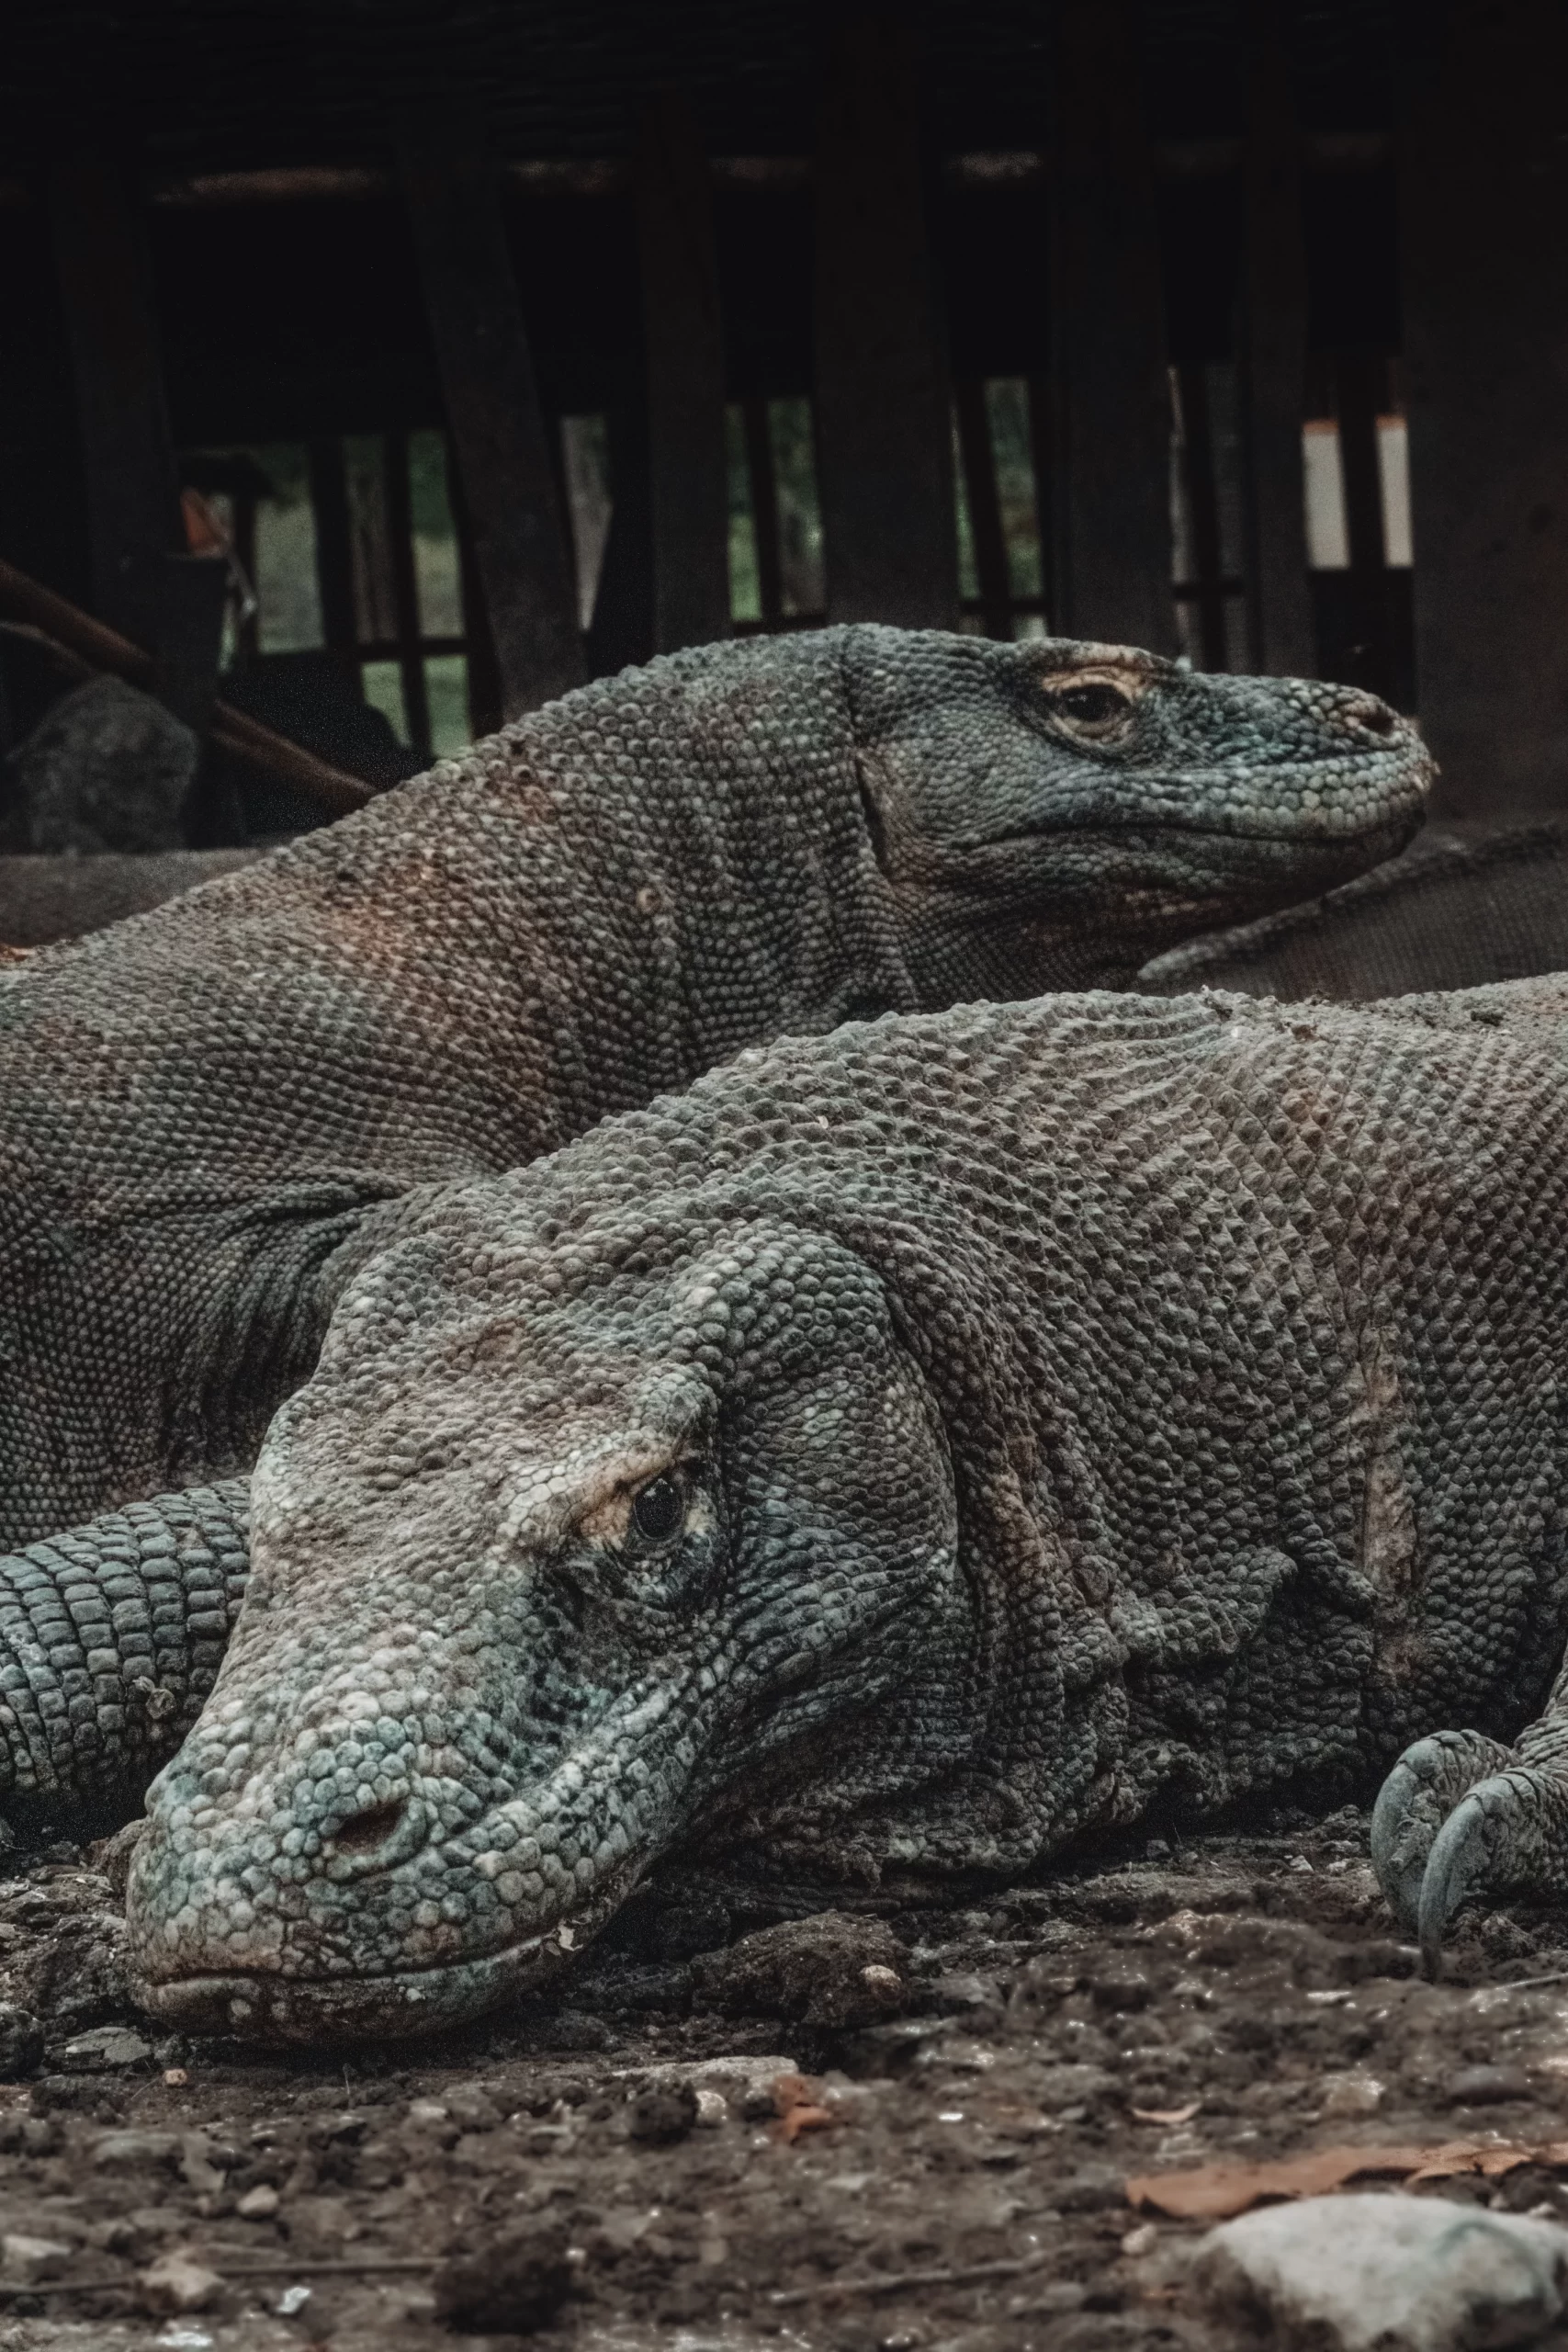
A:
x: 684, y: 340
x: 884, y: 432
x: 405, y: 589
x: 985, y: 506
x: 1113, y: 520
x: 1359, y: 378
x: 1271, y: 349
x: 1203, y: 507
x: 127, y: 456
x: 334, y: 554
x: 1045, y: 439
x: 621, y: 628
x: 521, y: 558
x: 485, y: 712
x: 763, y: 475
x: 1484, y: 227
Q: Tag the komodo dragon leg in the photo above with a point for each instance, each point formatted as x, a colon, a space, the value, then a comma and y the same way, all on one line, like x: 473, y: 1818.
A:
x: 1460, y: 1814
x: 110, y: 1639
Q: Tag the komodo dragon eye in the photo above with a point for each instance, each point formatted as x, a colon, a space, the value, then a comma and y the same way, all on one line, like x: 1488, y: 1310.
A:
x: 1091, y: 709
x: 658, y: 1509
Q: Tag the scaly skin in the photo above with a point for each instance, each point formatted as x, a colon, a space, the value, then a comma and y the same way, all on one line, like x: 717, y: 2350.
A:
x: 211, y: 1115
x: 907, y: 1452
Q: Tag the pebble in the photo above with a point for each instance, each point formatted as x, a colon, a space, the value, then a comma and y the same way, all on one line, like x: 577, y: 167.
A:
x: 22, y: 2042
x: 258, y: 2204
x: 514, y: 2283
x: 1486, y: 2085
x: 177, y: 2282
x: 107, y: 2046
x: 25, y: 2260
x: 1347, y: 2094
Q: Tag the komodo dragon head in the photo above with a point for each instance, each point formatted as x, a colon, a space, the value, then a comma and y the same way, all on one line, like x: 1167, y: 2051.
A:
x: 554, y: 1562
x: 1115, y: 796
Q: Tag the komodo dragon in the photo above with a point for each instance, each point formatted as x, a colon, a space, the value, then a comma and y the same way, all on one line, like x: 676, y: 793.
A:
x: 208, y: 1115
x: 908, y: 1450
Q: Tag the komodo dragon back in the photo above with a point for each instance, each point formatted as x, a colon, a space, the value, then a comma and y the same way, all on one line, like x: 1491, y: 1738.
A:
x: 906, y: 1453
x: 209, y: 1113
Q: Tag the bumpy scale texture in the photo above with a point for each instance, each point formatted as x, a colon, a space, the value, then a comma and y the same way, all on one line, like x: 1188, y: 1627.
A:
x: 908, y: 1450
x: 210, y: 1113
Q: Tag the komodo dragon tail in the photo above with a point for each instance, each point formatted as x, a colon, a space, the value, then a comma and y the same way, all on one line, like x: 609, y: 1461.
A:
x: 110, y: 1640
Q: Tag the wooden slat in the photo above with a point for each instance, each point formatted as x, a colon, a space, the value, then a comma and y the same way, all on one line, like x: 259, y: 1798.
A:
x: 763, y: 475
x: 1271, y: 341
x: 133, y: 489
x: 335, y: 554
x: 1107, y: 336
x: 405, y: 589
x: 1485, y: 220
x: 521, y: 562
x: 884, y: 436
x: 985, y: 505
x: 1204, y: 513
x: 684, y: 340
x: 1358, y: 378
x: 486, y: 705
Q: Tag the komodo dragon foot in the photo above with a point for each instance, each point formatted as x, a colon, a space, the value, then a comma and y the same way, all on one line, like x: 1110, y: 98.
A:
x: 1462, y: 1815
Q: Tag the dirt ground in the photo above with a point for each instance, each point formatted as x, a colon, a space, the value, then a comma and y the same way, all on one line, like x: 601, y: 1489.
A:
x: 621, y: 2167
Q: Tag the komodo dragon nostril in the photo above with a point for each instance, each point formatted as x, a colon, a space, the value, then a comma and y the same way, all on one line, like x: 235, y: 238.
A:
x: 1374, y: 716
x: 365, y: 1835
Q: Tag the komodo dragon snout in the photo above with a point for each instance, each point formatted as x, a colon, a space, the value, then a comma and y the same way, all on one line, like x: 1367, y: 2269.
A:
x: 1124, y: 787
x: 535, y: 1600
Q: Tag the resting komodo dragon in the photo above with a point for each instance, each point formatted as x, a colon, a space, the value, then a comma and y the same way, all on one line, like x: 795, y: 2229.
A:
x: 908, y: 1450
x: 209, y: 1113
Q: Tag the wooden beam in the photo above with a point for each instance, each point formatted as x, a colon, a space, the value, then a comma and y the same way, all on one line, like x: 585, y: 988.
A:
x: 985, y: 506
x: 405, y: 589
x: 684, y: 340
x: 1112, y: 529
x: 133, y: 489
x: 1484, y: 192
x: 1360, y: 378
x: 621, y: 631
x: 884, y: 433
x: 521, y: 557
x: 1271, y: 350
x: 1203, y: 514
x: 762, y: 476
x: 335, y: 554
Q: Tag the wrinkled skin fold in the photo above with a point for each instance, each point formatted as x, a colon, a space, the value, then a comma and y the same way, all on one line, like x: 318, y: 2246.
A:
x: 906, y: 1452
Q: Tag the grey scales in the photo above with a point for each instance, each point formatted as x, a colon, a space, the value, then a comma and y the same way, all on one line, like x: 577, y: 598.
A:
x: 906, y: 1452
x: 211, y: 1113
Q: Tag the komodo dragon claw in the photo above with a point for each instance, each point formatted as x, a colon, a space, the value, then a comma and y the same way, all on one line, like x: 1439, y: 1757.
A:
x: 1438, y: 1843
x: 1430, y: 1778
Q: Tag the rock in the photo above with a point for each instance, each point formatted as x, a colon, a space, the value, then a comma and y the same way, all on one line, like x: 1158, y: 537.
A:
x: 663, y: 2114
x: 24, y: 2260
x: 112, y: 1855
x: 1121, y: 1988
x: 513, y: 2284
x: 106, y: 768
x: 472, y: 2106
x: 713, y: 2108
x: 815, y: 1969
x: 1352, y: 2095
x: 107, y: 2046
x: 1094, y: 2189
x: 177, y: 2282
x: 128, y: 2151
x: 1486, y: 2085
x: 258, y: 2204
x: 1402, y: 2274
x: 21, y: 2044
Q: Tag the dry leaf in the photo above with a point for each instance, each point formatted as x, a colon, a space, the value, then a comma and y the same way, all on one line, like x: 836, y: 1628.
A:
x: 1214, y: 2192
x: 1167, y: 2114
x: 802, y: 2118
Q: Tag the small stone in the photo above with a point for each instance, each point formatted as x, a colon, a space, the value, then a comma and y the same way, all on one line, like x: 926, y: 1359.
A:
x: 713, y: 2108
x: 1347, y: 2094
x: 428, y: 2111
x: 1299, y: 1866
x: 1141, y: 2241
x: 817, y: 1970
x: 21, y: 2044
x: 513, y: 2285
x: 1121, y: 1988
x: 25, y: 2260
x: 107, y: 2046
x: 1486, y: 2085
x: 174, y: 2078
x: 661, y: 2116
x: 1095, y: 2190
x: 473, y: 2108
x: 177, y: 2282
x: 125, y: 2151
x: 258, y: 2204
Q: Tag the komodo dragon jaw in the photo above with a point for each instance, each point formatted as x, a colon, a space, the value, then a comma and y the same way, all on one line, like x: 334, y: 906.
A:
x: 419, y: 1784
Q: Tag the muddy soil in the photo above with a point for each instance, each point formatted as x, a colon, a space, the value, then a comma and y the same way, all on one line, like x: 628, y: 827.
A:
x: 620, y: 2166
